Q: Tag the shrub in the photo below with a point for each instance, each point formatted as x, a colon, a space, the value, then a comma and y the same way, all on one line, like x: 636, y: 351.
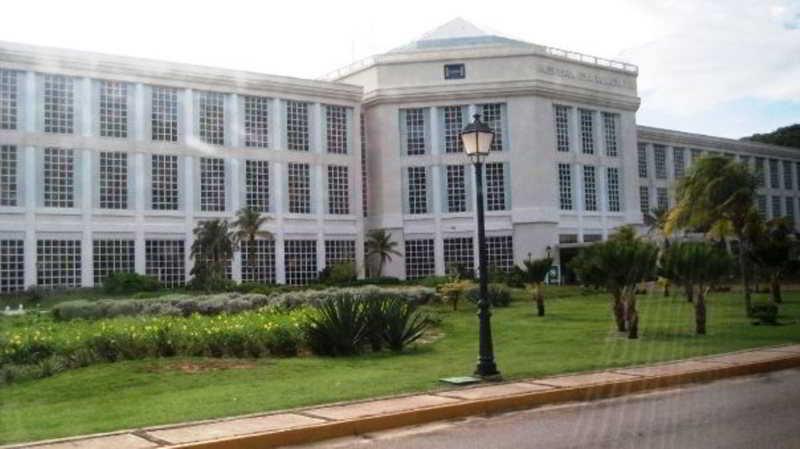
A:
x: 432, y: 281
x: 342, y: 273
x: 766, y: 313
x: 71, y: 310
x: 402, y: 324
x: 498, y: 295
x: 122, y: 282
x: 452, y: 292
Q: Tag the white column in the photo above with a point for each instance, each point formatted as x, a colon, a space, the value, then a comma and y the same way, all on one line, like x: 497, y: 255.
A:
x: 138, y: 199
x: 233, y: 193
x: 316, y: 128
x: 188, y: 207
x: 436, y: 144
x: 31, y: 199
x: 277, y: 188
x: 233, y: 126
x: 29, y: 98
x: 87, y: 205
x: 276, y: 125
x: 187, y: 125
x: 320, y: 211
x: 438, y: 253
x: 86, y: 99
x: 139, y: 122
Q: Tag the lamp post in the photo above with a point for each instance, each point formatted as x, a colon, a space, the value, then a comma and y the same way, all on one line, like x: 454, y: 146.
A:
x: 477, y: 139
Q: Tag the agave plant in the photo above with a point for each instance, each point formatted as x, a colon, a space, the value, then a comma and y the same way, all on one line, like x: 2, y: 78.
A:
x: 339, y: 327
x: 402, y: 323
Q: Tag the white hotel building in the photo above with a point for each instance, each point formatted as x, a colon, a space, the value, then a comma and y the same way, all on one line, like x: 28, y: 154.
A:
x: 107, y: 163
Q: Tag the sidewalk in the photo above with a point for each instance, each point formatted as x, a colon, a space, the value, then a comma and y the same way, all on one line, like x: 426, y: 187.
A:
x: 337, y: 420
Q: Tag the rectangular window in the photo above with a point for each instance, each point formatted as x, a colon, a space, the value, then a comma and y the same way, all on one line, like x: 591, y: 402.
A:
x: 164, y: 259
x: 790, y: 209
x: 612, y: 181
x: 459, y: 255
x: 788, y: 180
x: 774, y: 177
x: 453, y: 121
x: 762, y: 205
x: 8, y: 176
x: 642, y: 159
x: 417, y: 190
x: 562, y: 114
x: 164, y: 183
x: 212, y: 184
x: 338, y: 190
x: 678, y: 162
x: 340, y: 251
x: 492, y: 115
x: 776, y: 207
x: 211, y: 117
x: 610, y: 124
x: 12, y: 265
x: 300, y: 260
x: 589, y: 188
x: 662, y: 198
x: 113, y: 180
x: 495, y: 186
x: 258, y: 261
x: 587, y: 131
x: 500, y: 252
x: 299, y: 188
x: 113, y: 256
x: 565, y: 186
x: 58, y: 263
x: 113, y: 109
x: 364, y: 199
x: 456, y: 189
x: 257, y: 180
x: 644, y: 199
x: 59, y: 177
x: 256, y: 121
x: 415, y: 131
x: 59, y: 104
x: 660, y: 158
x: 336, y: 129
x: 9, y: 99
x: 454, y: 71
x: 297, y: 126
x: 419, y: 258
x: 761, y: 172
x: 164, y: 114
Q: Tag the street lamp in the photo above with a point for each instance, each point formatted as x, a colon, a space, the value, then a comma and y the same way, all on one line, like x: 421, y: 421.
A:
x: 477, y: 139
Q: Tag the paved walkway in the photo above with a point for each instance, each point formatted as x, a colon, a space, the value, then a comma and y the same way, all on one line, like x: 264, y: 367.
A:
x: 317, y: 423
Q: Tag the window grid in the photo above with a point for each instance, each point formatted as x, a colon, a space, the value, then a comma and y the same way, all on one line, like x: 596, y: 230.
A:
x: 165, y: 260
x: 495, y: 186
x: 790, y: 209
x: 338, y: 190
x: 587, y: 131
x: 12, y: 265
x: 642, y: 159
x: 211, y: 115
x: 257, y: 181
x: 660, y: 158
x: 776, y: 207
x: 417, y: 190
x: 9, y: 99
x: 336, y: 129
x: 258, y: 261
x: 612, y: 184
x: 788, y: 181
x: 300, y: 260
x: 113, y: 180
x: 456, y: 189
x: 644, y: 199
x: 8, y: 176
x: 565, y: 186
x: 59, y: 177
x: 761, y: 175
x: 58, y: 263
x: 59, y: 104
x: 113, y: 109
x: 164, y: 114
x: 610, y: 121
x: 662, y: 198
x: 562, y: 127
x: 459, y: 254
x: 453, y: 119
x: 678, y: 162
x: 340, y: 251
x: 589, y: 188
x: 297, y: 126
x: 762, y: 205
x: 256, y: 121
x: 774, y: 177
x: 113, y: 256
x: 500, y: 252
x: 493, y: 116
x: 415, y: 131
x: 164, y: 182
x: 419, y: 258
x: 212, y: 184
x: 299, y: 180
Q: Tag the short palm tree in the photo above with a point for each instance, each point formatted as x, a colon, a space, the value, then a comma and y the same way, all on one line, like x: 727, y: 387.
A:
x: 380, y: 246
x: 775, y: 252
x: 656, y: 220
x: 212, y: 250
x: 534, y: 272
x: 247, y: 229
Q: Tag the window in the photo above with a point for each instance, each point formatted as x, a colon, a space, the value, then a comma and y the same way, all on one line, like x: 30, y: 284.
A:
x: 113, y: 256
x: 642, y: 155
x: 762, y: 205
x: 494, y: 117
x: 453, y: 121
x: 419, y: 258
x: 258, y: 261
x: 790, y: 209
x: 760, y: 172
x: 587, y: 131
x: 113, y: 109
x: 610, y: 121
x: 774, y: 177
x: 299, y: 188
x: 454, y: 71
x: 300, y: 260
x: 212, y: 184
x: 12, y: 265
x: 500, y: 252
x: 678, y: 162
x: 257, y: 180
x: 59, y: 178
x: 456, y: 189
x: 164, y: 114
x: 8, y: 176
x: 776, y: 207
x: 340, y: 251
x: 660, y: 158
x: 113, y: 180
x: 164, y: 182
x: 256, y: 121
x: 589, y: 188
x: 164, y: 259
x: 788, y: 181
x: 644, y: 199
x: 565, y: 186
x: 612, y: 184
x: 459, y: 255
x: 417, y: 190
x: 211, y: 117
x: 336, y: 129
x: 58, y: 263
x: 297, y: 126
x: 364, y: 199
x: 662, y: 198
x: 8, y: 99
x: 562, y: 127
x: 338, y: 190
x: 495, y: 186
x: 414, y: 121
x: 59, y: 104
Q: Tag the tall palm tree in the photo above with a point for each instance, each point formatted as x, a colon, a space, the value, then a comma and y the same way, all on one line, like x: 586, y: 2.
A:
x: 247, y: 229
x: 534, y: 272
x: 212, y: 250
x: 380, y: 246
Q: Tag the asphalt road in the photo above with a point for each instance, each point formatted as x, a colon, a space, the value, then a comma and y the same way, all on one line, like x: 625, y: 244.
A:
x: 753, y: 412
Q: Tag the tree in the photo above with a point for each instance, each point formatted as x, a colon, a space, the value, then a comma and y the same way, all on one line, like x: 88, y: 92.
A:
x: 774, y: 252
x: 656, y: 221
x: 212, y: 250
x: 247, y: 229
x: 718, y: 189
x: 533, y: 273
x: 787, y: 136
x: 380, y: 246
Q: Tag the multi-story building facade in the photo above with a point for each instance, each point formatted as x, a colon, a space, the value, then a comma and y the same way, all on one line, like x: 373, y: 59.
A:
x: 108, y: 163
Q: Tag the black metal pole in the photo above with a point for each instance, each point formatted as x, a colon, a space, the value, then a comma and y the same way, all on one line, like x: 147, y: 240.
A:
x: 486, y: 366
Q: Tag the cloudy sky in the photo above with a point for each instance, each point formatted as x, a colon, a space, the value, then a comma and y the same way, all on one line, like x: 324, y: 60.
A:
x: 727, y: 68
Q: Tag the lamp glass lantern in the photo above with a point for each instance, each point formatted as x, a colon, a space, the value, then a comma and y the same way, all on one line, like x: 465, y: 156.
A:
x: 477, y: 139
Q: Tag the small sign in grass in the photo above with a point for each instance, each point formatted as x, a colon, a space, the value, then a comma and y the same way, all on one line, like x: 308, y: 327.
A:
x: 460, y: 380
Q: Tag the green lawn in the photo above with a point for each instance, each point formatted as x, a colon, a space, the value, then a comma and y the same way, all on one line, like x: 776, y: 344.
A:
x: 578, y: 334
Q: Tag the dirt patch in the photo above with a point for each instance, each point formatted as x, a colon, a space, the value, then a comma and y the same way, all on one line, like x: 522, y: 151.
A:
x: 200, y: 366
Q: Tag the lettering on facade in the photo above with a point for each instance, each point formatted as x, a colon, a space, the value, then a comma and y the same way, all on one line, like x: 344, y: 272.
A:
x: 564, y: 72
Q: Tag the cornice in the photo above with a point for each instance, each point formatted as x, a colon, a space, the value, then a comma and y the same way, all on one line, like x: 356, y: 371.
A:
x: 660, y: 135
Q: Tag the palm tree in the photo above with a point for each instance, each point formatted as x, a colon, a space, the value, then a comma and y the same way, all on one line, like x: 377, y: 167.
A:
x: 775, y: 251
x: 247, y: 229
x: 380, y: 246
x: 212, y: 250
x: 718, y: 189
x: 534, y: 273
x: 656, y: 220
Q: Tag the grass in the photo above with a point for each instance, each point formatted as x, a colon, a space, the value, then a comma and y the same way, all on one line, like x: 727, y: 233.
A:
x: 577, y: 334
